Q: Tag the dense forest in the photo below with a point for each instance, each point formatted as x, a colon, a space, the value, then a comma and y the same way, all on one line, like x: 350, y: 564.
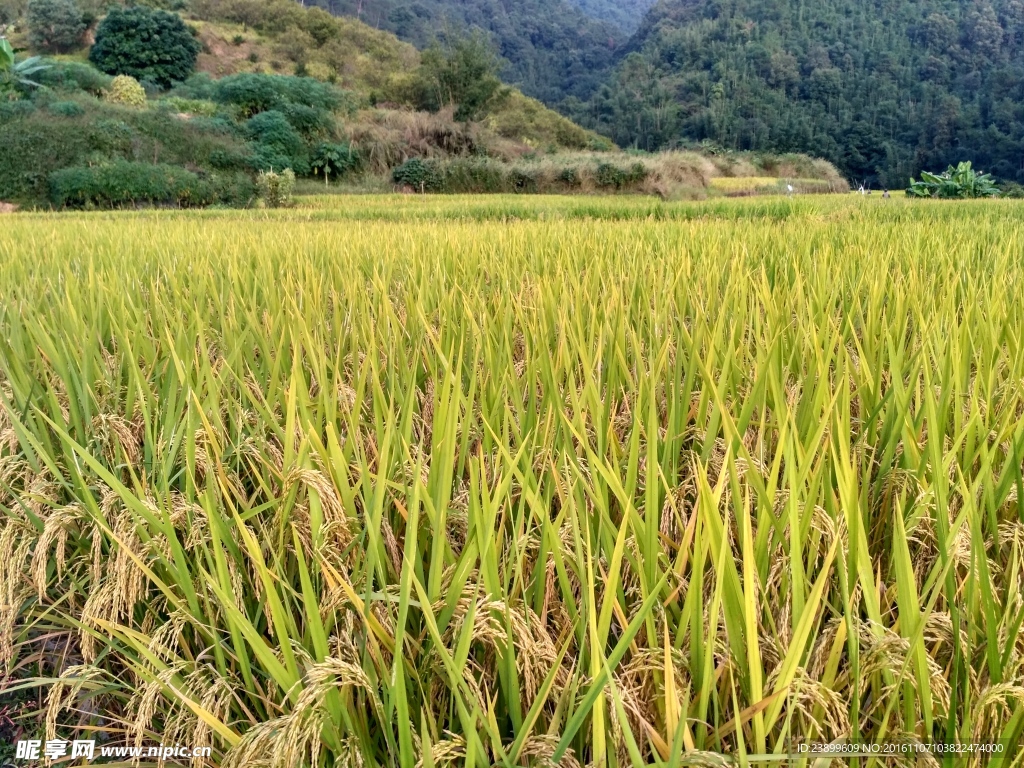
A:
x: 551, y: 48
x: 625, y: 14
x: 882, y: 88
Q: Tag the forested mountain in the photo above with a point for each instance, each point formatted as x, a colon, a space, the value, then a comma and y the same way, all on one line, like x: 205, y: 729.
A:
x: 552, y: 48
x: 625, y: 14
x: 881, y: 88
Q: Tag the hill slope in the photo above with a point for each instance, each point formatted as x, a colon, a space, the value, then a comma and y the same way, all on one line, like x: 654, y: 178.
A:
x: 204, y: 141
x: 553, y: 48
x: 879, y: 87
x: 625, y: 14
x: 280, y: 36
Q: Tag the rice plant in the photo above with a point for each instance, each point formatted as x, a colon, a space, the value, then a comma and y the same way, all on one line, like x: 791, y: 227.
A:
x: 635, y: 484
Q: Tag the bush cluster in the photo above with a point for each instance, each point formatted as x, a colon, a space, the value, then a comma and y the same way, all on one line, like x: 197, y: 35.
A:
x: 247, y: 123
x: 276, y: 143
x: 66, y: 108
x: 63, y: 130
x: 420, y: 175
x: 611, y: 176
x: 284, y: 119
x: 255, y: 93
x: 74, y: 76
x: 485, y: 175
x: 463, y: 175
x: 128, y: 184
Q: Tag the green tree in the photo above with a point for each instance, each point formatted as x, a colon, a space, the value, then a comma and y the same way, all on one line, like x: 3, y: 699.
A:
x: 276, y: 144
x: 54, y: 26
x: 10, y: 12
x: 150, y: 45
x: 463, y: 75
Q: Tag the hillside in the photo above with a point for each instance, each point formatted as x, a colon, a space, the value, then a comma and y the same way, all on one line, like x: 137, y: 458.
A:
x: 277, y: 86
x: 340, y: 104
x: 552, y: 48
x: 625, y: 14
x: 281, y: 37
x: 881, y: 88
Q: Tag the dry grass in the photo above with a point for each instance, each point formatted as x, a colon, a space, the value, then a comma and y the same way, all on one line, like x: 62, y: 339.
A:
x: 387, y: 138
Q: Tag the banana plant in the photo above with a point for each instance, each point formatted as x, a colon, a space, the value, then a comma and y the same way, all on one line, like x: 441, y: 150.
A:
x: 17, y: 74
x: 961, y: 181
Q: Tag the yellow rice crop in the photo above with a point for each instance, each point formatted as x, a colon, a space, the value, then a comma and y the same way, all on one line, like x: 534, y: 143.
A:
x: 515, y: 482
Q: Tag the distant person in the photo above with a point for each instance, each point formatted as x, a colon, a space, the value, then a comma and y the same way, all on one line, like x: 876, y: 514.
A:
x: 886, y: 194
x: 861, y: 190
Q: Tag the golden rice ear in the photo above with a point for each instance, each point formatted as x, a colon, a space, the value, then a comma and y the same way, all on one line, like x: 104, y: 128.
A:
x: 64, y: 693
x: 56, y: 530
x: 15, y: 587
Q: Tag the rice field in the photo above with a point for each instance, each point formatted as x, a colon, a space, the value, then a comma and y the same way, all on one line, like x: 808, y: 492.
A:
x: 420, y: 482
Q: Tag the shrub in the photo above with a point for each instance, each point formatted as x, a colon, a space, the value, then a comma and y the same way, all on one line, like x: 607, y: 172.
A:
x: 419, y: 174
x: 231, y: 159
x: 10, y: 110
x: 66, y: 108
x: 277, y: 143
x: 569, y: 176
x: 311, y: 122
x: 522, y: 181
x: 126, y: 91
x: 201, y: 85
x: 1011, y: 189
x: 609, y: 175
x: 252, y: 94
x: 215, y: 124
x: 11, y: 11
x: 75, y: 76
x: 147, y: 44
x: 123, y: 183
x: 54, y: 26
x: 275, y: 189
x: 255, y: 93
x: 190, y: 106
